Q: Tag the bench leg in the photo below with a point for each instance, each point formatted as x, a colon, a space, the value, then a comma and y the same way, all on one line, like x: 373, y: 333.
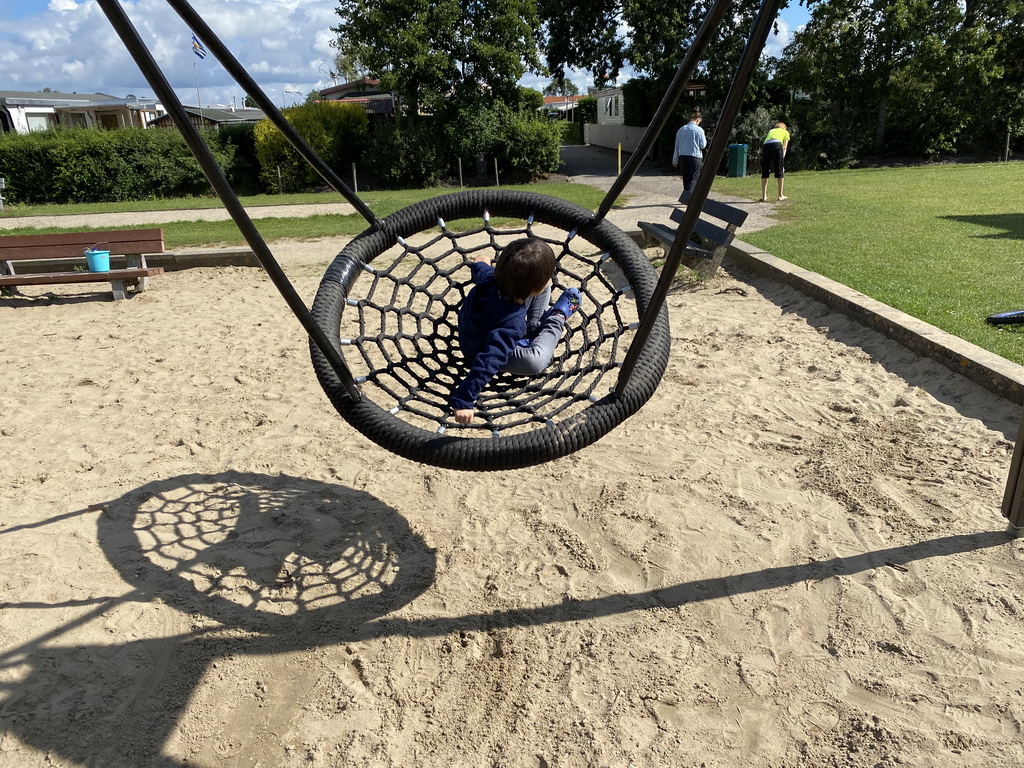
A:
x: 137, y: 260
x: 708, y: 268
x: 117, y: 286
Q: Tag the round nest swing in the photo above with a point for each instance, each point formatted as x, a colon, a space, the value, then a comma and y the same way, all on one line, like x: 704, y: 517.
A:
x: 399, y: 333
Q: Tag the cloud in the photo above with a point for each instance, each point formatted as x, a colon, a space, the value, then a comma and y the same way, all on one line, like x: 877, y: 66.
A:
x: 776, y: 42
x: 277, y: 40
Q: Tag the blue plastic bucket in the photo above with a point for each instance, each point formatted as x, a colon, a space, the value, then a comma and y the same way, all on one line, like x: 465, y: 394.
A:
x: 97, y: 261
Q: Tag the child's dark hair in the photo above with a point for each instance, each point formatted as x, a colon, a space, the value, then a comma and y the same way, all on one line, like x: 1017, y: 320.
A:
x: 524, y: 268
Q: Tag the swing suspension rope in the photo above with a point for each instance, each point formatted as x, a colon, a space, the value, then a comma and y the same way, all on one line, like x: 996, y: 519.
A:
x: 396, y: 323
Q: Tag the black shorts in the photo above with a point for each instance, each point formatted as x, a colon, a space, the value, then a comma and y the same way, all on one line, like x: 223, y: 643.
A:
x: 771, y: 160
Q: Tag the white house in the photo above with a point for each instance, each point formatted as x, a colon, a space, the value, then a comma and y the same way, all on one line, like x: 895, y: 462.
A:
x: 609, y: 107
x: 25, y: 111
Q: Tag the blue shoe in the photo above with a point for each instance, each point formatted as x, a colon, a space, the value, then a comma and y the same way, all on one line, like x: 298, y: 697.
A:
x: 525, y: 342
x: 567, y: 303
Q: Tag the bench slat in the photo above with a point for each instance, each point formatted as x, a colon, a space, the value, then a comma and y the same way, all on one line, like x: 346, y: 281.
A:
x: 719, y: 210
x: 705, y: 229
x: 666, y: 236
x: 63, y: 245
x: 54, y: 278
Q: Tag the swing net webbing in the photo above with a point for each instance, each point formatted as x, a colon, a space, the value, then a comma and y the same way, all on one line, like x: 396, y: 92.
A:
x: 392, y: 297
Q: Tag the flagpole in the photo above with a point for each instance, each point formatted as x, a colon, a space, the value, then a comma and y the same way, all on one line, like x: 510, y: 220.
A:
x: 195, y: 66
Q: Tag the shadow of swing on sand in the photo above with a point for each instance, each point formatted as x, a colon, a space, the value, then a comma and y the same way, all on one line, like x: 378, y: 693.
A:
x: 270, y: 565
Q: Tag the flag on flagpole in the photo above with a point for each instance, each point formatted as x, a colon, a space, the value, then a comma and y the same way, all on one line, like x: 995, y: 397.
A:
x: 197, y: 47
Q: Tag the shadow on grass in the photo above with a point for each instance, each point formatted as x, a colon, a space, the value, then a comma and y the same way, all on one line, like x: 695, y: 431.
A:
x: 1011, y: 225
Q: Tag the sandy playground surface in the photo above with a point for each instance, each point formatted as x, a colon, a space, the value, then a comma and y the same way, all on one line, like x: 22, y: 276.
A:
x: 792, y: 556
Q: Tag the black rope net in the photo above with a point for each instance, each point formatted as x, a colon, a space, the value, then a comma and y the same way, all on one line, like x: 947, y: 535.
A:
x: 391, y: 298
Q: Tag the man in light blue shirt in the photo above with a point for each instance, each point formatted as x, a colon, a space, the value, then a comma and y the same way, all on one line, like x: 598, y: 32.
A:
x: 689, y: 150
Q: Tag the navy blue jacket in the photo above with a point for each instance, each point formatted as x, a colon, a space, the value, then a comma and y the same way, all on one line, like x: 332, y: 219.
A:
x: 489, y: 328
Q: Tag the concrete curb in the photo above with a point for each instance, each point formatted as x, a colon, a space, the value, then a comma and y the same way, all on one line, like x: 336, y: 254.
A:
x: 994, y: 373
x: 239, y: 257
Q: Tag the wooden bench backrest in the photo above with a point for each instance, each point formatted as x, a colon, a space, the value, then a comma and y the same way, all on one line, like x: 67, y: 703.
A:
x: 707, y: 230
x: 72, y: 244
x: 724, y: 211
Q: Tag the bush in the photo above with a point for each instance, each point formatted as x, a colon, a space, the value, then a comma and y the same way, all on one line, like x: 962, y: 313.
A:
x: 244, y: 171
x: 524, y: 143
x: 529, y: 146
x: 92, y: 165
x: 588, y: 109
x: 403, y: 153
x: 337, y: 132
x: 424, y: 152
x: 572, y: 133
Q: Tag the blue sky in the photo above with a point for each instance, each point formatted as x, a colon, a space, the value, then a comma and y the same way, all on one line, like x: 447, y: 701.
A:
x: 69, y: 46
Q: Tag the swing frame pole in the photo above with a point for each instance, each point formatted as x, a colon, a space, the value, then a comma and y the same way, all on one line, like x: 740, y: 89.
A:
x: 215, y: 175
x: 716, y: 151
x: 1013, y: 497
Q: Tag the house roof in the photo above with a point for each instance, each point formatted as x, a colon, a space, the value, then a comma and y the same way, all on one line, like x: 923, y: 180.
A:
x: 54, y: 99
x: 381, y: 104
x: 218, y: 115
x: 362, y: 84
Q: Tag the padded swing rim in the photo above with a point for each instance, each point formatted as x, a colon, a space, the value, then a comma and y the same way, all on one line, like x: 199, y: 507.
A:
x: 503, y: 452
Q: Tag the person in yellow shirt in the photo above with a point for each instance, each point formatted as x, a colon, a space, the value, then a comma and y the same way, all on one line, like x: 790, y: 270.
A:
x: 773, y: 156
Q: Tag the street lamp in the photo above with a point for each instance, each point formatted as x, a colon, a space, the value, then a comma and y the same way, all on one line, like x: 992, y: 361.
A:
x: 287, y: 90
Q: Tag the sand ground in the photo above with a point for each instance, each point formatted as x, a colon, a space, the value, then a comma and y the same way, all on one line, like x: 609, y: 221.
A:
x: 791, y: 556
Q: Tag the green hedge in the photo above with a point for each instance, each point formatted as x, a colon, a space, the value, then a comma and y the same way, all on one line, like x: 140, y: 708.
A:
x: 337, y: 132
x: 92, y: 165
x: 407, y: 153
x: 426, y: 151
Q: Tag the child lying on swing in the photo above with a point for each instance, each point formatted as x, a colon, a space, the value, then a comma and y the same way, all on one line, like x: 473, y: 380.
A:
x: 505, y: 323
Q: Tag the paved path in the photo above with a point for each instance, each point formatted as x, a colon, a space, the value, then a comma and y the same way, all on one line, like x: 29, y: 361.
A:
x: 160, y: 217
x: 650, y: 196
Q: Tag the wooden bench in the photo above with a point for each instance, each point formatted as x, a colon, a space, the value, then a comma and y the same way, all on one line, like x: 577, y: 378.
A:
x: 132, y: 244
x: 706, y: 257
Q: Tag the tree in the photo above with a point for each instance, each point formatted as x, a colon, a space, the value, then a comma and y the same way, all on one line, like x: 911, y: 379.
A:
x: 249, y: 102
x: 434, y: 54
x: 348, y: 68
x: 593, y: 36
x: 560, y: 86
x: 907, y: 76
x: 530, y: 100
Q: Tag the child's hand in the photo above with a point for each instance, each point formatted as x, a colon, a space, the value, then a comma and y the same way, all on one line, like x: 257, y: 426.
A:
x: 482, y: 256
x: 464, y: 415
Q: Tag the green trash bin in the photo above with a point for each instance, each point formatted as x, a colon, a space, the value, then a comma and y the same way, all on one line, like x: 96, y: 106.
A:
x: 737, y: 161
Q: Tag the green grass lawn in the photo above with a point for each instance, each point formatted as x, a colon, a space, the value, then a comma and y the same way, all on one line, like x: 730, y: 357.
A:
x: 943, y: 243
